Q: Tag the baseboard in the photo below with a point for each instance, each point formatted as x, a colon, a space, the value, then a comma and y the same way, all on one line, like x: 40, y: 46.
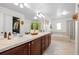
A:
x: 63, y: 33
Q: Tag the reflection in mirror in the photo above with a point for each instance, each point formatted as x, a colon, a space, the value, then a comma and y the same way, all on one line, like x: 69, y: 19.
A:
x: 16, y: 25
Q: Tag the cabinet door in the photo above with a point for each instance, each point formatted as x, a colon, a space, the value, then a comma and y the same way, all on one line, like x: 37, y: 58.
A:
x: 15, y: 51
x: 42, y: 44
x: 35, y: 47
x: 27, y: 49
x: 46, y: 41
x: 49, y: 38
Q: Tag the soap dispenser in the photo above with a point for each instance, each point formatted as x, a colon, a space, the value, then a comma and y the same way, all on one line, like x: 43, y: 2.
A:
x: 9, y: 35
x: 5, y: 34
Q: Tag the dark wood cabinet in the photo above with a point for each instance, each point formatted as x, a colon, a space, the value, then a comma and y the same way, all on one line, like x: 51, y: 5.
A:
x: 49, y: 39
x: 15, y: 51
x: 19, y: 50
x: 27, y: 49
x: 34, y: 47
x: 42, y: 44
x: 46, y: 41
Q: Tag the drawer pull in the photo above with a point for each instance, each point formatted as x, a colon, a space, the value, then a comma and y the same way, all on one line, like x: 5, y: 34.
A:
x: 29, y: 44
x: 32, y: 42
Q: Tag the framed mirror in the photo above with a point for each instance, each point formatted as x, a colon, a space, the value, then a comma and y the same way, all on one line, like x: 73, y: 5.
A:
x: 16, y: 25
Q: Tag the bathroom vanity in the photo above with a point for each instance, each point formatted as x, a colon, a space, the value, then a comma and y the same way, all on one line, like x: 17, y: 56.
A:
x: 26, y: 45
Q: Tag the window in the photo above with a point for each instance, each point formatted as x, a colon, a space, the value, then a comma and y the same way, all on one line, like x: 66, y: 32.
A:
x: 58, y: 26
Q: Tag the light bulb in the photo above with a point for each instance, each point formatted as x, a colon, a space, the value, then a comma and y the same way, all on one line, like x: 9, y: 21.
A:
x: 35, y: 17
x: 21, y: 5
x: 25, y: 4
x: 65, y: 13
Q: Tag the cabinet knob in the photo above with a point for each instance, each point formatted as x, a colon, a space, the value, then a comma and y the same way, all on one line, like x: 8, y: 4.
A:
x: 32, y: 43
x: 29, y: 44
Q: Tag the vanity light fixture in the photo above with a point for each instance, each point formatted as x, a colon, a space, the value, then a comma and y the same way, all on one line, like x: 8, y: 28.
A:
x: 75, y: 17
x: 39, y: 14
x: 22, y: 5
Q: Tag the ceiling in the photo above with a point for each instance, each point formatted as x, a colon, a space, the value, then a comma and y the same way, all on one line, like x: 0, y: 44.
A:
x: 52, y: 10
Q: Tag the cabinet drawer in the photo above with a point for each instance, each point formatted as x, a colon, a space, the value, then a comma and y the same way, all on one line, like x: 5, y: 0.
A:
x: 19, y: 50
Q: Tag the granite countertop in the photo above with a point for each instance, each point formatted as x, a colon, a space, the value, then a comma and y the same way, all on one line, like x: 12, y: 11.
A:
x: 6, y: 44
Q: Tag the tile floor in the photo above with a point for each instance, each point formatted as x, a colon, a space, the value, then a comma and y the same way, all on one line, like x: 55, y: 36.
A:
x: 60, y: 45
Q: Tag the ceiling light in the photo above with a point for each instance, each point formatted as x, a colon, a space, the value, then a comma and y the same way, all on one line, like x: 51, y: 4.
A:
x: 35, y: 17
x: 65, y: 13
x: 21, y: 5
x: 16, y: 3
x: 25, y: 4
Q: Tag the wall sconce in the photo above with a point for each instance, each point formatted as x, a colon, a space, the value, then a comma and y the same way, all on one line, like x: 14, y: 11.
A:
x: 22, y: 22
x: 75, y: 17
